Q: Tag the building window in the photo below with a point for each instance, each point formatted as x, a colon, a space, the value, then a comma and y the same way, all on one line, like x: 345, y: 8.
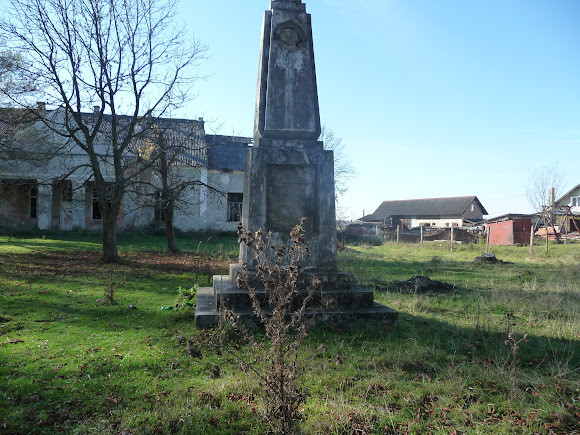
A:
x: 235, y: 201
x: 576, y: 201
x: 33, y: 203
x: 67, y: 191
x: 96, y: 210
x: 472, y: 207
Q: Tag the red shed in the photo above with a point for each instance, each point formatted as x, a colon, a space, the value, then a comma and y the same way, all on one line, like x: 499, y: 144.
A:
x: 510, y: 229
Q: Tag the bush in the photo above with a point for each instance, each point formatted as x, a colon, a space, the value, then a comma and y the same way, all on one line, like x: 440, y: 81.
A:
x: 278, y: 268
x: 186, y: 297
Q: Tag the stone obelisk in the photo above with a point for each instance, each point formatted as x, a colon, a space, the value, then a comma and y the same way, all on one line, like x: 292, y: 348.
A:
x: 289, y: 175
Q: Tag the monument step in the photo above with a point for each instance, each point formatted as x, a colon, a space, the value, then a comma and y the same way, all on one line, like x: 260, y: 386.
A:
x: 337, y: 299
x: 231, y: 296
x: 207, y: 314
x: 327, y: 280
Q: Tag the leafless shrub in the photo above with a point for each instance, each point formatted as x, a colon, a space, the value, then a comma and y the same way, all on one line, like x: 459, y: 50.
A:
x: 284, y: 317
x: 514, y: 344
x: 230, y: 330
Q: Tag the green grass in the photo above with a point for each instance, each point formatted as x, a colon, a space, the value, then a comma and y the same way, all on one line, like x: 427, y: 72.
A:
x: 69, y: 363
x: 128, y: 242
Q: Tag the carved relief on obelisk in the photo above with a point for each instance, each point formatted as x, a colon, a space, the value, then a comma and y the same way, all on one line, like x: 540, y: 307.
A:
x: 287, y: 97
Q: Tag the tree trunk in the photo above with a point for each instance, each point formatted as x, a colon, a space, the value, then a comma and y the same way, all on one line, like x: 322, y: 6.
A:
x: 167, y: 195
x: 110, y: 252
x: 169, y: 229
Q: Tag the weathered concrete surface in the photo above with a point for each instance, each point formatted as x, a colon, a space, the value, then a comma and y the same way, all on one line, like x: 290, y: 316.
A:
x: 284, y: 184
x: 206, y: 308
x: 287, y: 97
x: 330, y: 305
x: 289, y: 176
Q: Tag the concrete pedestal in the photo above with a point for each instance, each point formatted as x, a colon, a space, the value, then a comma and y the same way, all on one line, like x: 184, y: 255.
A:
x: 328, y: 305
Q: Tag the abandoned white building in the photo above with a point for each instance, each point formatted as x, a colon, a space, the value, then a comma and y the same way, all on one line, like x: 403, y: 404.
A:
x: 433, y: 212
x: 42, y: 190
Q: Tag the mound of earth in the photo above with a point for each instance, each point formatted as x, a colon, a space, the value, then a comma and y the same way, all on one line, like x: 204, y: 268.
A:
x: 420, y: 284
x: 489, y: 257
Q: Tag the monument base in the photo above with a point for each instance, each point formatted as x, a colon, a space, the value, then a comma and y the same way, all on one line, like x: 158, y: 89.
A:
x: 333, y: 302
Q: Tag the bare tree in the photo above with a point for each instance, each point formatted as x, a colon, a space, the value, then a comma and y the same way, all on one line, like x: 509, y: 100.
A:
x: 167, y: 194
x: 124, y: 59
x: 343, y: 168
x: 180, y: 154
x: 540, y: 185
x: 172, y: 151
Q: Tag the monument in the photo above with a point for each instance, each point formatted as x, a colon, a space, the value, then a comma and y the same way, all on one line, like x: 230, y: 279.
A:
x: 289, y: 175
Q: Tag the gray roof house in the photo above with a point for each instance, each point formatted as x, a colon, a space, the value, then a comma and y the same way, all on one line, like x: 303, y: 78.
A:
x: 571, y: 199
x: 431, y: 212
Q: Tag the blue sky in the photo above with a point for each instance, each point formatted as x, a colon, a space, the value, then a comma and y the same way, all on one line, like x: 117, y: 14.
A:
x: 432, y: 98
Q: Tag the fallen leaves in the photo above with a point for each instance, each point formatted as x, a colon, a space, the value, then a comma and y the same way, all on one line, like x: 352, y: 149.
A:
x: 141, y: 264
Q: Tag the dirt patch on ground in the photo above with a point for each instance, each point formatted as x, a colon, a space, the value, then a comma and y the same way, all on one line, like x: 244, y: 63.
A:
x: 420, y: 284
x: 141, y: 264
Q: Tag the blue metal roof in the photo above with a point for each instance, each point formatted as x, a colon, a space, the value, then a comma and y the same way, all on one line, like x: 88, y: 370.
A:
x: 227, y: 152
